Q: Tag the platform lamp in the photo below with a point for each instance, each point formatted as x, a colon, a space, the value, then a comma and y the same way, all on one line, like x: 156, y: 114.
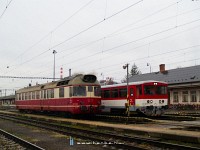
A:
x: 127, y: 80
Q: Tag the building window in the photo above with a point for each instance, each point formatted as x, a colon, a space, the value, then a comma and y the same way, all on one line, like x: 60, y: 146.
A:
x: 193, y: 96
x: 61, y: 92
x: 175, y: 97
x: 185, y: 96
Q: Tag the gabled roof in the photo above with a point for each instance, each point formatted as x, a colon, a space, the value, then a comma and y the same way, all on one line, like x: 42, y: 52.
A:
x: 173, y: 76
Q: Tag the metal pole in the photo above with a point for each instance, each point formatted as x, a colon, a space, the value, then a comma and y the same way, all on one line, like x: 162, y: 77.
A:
x: 128, y: 113
x: 127, y: 81
x: 54, y: 65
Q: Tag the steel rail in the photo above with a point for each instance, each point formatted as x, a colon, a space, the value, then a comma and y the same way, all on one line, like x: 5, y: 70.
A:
x: 20, y: 141
x: 94, y: 135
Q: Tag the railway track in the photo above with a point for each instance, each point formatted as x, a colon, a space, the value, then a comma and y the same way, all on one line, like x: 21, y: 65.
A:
x: 116, y: 140
x: 9, y: 141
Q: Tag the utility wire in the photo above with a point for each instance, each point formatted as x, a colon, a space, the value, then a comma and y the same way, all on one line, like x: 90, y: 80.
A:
x: 50, y: 33
x: 121, y: 45
x: 92, y: 26
x: 5, y: 9
x: 84, y: 30
x: 18, y: 77
x: 136, y: 47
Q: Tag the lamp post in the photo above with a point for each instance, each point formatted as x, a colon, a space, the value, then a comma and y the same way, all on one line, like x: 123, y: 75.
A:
x: 148, y: 64
x: 127, y: 80
x: 54, y: 53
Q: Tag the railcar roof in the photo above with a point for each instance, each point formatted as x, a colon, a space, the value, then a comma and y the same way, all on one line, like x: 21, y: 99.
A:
x: 73, y: 80
x: 133, y: 83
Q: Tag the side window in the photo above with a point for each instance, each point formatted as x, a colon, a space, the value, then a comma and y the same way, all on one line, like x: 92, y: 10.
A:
x: 123, y: 92
x: 70, y: 92
x: 90, y: 88
x: 52, y: 93
x: 106, y: 93
x: 26, y: 96
x: 61, y: 92
x: 131, y: 92
x: 33, y: 95
x: 114, y: 93
x: 42, y: 94
x: 37, y: 95
x: 45, y: 91
x: 19, y: 96
x: 97, y: 91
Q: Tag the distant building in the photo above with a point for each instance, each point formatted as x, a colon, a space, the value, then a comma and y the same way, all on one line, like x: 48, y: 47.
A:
x: 184, y: 85
x: 7, y: 100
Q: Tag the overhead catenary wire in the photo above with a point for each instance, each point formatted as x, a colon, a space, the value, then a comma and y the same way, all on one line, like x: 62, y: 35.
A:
x: 90, y: 27
x: 51, y: 32
x: 174, y: 34
x: 109, y: 36
x: 127, y: 43
x: 94, y: 25
x: 5, y: 9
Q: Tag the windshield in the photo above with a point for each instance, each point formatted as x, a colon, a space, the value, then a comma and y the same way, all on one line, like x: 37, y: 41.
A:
x: 79, y: 91
x: 153, y: 90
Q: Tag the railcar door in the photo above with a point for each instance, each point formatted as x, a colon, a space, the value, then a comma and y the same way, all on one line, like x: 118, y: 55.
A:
x: 132, y: 96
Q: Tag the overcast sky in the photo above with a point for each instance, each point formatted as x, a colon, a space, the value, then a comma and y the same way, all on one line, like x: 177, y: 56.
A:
x: 95, y: 36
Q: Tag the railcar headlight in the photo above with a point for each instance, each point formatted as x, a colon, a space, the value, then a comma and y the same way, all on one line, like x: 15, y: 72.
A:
x: 99, y: 102
x: 151, y: 101
x: 163, y: 101
x: 147, y: 101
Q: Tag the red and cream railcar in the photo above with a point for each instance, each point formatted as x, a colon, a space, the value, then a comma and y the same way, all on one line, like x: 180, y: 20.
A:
x: 75, y: 95
x: 148, y: 97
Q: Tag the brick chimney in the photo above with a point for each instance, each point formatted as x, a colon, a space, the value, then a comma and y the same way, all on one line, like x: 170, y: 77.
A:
x: 162, y: 68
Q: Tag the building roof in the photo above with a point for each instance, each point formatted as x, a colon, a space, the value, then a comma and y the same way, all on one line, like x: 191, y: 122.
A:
x: 173, y: 76
x: 10, y: 97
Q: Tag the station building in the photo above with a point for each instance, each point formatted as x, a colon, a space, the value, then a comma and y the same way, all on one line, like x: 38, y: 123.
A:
x: 183, y: 85
x: 7, y: 100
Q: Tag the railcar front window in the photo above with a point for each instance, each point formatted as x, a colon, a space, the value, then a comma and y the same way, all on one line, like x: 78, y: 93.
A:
x: 79, y: 91
x: 161, y: 90
x: 152, y: 90
x: 149, y: 90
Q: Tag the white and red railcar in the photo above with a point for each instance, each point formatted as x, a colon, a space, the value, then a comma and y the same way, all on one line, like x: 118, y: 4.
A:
x: 148, y: 97
x: 79, y: 94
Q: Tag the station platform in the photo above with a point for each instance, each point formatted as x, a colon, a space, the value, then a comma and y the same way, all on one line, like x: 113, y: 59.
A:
x: 156, y: 129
